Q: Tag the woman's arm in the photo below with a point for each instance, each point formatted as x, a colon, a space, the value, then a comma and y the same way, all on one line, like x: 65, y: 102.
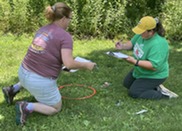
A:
x: 70, y: 63
x: 127, y: 46
x: 141, y: 63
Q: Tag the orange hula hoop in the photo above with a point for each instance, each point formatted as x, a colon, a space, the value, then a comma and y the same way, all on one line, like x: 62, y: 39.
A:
x: 79, y: 98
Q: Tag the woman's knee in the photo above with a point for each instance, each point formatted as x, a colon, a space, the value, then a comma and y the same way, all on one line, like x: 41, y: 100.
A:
x: 58, y: 107
x: 134, y: 94
x: 126, y: 84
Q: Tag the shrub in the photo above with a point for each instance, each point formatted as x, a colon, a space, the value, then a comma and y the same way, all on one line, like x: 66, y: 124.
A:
x: 173, y: 19
x: 93, y: 18
x: 4, y: 16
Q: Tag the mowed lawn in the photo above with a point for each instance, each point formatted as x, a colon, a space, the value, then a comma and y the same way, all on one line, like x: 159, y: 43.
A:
x: 110, y: 109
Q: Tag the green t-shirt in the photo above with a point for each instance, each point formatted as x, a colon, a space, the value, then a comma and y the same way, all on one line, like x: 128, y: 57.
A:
x: 155, y: 50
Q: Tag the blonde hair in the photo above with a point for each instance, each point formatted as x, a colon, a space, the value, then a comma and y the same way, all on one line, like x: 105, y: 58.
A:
x: 57, y: 11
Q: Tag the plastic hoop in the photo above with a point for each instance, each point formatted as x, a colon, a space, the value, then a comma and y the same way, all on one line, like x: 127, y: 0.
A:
x: 79, y: 98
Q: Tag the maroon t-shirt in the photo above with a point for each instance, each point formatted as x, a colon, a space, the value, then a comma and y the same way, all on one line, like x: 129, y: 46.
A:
x: 44, y: 54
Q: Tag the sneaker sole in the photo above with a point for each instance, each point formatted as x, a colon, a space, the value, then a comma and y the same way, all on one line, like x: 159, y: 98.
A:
x: 18, y: 114
x: 166, y: 91
x: 6, y: 96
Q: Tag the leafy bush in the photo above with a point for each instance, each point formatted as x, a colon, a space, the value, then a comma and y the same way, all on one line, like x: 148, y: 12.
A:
x: 173, y: 19
x: 98, y: 18
x: 135, y: 9
x: 4, y: 16
x: 93, y: 18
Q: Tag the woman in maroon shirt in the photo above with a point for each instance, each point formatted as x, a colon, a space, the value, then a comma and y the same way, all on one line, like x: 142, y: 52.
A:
x: 38, y: 73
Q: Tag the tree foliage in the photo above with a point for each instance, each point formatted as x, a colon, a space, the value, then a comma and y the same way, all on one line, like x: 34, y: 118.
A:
x: 92, y: 18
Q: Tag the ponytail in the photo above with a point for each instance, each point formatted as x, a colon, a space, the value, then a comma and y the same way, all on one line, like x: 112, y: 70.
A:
x: 57, y: 11
x: 159, y: 28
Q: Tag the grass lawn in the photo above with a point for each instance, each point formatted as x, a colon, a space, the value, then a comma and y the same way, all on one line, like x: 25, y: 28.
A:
x: 110, y: 109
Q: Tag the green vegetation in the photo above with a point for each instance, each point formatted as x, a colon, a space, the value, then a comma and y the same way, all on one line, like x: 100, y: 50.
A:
x: 110, y: 109
x: 93, y: 18
x: 100, y: 112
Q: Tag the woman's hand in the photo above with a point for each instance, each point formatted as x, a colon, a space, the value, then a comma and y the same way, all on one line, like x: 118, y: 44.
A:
x: 131, y: 59
x: 90, y: 65
x: 118, y: 45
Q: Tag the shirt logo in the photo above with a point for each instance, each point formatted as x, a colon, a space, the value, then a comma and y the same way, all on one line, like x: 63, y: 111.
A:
x: 39, y: 43
x: 138, y: 52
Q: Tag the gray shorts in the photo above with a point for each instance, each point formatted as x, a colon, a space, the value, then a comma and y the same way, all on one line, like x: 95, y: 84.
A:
x: 45, y: 90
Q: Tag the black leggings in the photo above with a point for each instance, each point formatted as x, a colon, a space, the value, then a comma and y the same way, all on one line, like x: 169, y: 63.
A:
x: 143, y: 87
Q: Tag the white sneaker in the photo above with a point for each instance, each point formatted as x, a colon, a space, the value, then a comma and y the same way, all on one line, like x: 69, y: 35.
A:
x: 167, y: 92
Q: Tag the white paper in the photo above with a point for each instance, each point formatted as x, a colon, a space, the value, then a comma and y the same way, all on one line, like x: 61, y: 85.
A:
x: 79, y: 59
x: 141, y: 112
x: 117, y: 54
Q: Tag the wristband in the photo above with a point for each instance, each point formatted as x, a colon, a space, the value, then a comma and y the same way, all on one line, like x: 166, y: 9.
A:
x: 136, y: 64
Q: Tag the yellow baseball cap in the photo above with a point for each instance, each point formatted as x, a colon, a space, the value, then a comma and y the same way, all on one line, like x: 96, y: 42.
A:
x: 146, y: 23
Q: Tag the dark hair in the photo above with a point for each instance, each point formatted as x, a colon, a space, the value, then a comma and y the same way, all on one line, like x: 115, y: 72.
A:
x: 57, y: 11
x: 159, y: 28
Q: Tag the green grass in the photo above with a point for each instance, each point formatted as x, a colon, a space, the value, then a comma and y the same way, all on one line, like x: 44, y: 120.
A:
x: 99, y: 112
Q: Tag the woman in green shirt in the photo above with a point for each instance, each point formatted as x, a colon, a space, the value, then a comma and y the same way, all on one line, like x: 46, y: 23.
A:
x: 150, y: 57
